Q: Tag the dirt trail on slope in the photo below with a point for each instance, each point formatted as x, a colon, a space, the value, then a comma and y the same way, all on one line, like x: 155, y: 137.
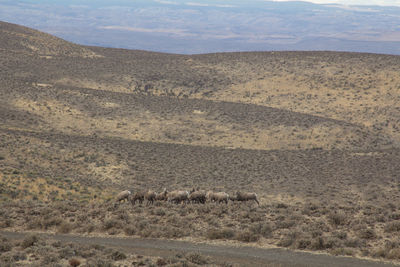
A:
x: 245, y: 256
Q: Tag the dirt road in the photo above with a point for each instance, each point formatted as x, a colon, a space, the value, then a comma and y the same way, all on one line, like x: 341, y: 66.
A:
x: 245, y: 256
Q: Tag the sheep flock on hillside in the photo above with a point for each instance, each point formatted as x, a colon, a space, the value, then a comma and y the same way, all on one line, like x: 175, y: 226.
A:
x: 184, y: 197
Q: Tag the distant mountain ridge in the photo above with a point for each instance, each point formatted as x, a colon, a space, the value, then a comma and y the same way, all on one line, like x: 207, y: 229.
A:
x: 190, y: 27
x: 15, y: 38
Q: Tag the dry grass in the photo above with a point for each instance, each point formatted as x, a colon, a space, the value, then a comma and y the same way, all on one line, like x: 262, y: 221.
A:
x: 311, y: 227
x: 35, y: 251
x: 315, y: 134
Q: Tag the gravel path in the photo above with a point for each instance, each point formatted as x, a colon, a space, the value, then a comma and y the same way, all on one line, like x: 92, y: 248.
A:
x: 245, y: 256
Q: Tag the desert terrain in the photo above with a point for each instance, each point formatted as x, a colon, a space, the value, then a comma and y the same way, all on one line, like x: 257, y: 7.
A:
x: 315, y: 134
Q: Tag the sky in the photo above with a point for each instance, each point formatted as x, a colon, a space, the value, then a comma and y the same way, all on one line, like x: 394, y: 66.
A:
x: 354, y: 2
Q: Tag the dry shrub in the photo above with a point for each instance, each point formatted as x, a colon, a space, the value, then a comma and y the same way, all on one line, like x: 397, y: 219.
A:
x: 392, y: 244
x: 285, y: 224
x: 281, y: 206
x: 160, y: 212
x: 74, y: 262
x: 89, y: 228
x: 100, y: 262
x: 333, y: 242
x: 340, y: 234
x: 394, y: 254
x: 316, y: 233
x: 161, y: 262
x: 287, y: 241
x: 197, y: 258
x: 5, y: 245
x: 129, y: 230
x: 380, y: 253
x: 342, y: 251
x: 337, y: 218
x: 317, y: 243
x: 111, y: 223
x: 19, y: 256
x: 321, y: 243
x: 311, y: 209
x: 29, y: 241
x: 64, y: 228
x: 246, y: 236
x: 117, y: 256
x: 66, y: 252
x: 225, y: 233
x: 174, y: 232
x: 49, y: 258
x: 52, y: 221
x: 302, y: 243
x: 4, y: 223
x: 367, y: 233
x: 35, y: 223
x: 84, y: 251
x: 395, y: 216
x: 263, y: 229
x: 354, y: 243
x: 392, y: 227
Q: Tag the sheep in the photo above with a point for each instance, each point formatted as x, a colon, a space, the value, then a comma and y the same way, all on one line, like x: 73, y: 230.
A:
x: 247, y: 197
x: 198, y: 196
x: 208, y: 195
x: 219, y: 197
x: 124, y: 195
x: 163, y: 196
x: 232, y: 198
x: 178, y: 196
x: 138, y: 196
x: 150, y: 197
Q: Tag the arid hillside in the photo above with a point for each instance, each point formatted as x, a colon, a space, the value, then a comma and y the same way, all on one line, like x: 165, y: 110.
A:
x: 315, y: 134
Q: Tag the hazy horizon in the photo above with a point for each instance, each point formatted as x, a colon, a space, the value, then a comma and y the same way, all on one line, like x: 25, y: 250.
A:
x: 206, y: 26
x: 352, y: 2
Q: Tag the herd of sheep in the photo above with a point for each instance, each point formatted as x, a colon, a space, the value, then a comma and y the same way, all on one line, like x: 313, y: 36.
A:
x: 194, y: 196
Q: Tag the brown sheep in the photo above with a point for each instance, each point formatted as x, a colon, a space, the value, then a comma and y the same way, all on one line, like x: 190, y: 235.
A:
x: 219, y: 197
x: 198, y: 196
x: 138, y: 196
x: 124, y: 195
x: 178, y: 196
x: 240, y: 196
x: 208, y: 195
x: 150, y: 196
x: 163, y: 196
x: 232, y: 198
